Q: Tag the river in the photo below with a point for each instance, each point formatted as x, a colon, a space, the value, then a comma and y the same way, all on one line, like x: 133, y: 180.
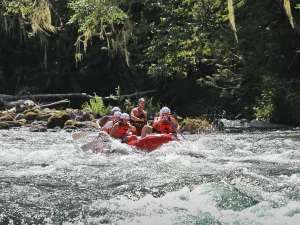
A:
x: 247, y: 178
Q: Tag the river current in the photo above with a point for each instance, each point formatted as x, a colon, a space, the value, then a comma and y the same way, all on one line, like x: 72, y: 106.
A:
x: 247, y: 178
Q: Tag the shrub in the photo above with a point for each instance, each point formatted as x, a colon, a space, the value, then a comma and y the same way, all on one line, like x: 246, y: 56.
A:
x: 264, y: 107
x: 96, y: 106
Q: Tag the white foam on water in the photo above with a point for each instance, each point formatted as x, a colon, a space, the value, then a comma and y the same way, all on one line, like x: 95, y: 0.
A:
x: 293, y: 179
x: 220, y: 155
x: 176, y: 206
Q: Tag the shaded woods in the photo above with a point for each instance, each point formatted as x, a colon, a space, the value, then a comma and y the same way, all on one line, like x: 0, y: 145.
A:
x: 203, y: 57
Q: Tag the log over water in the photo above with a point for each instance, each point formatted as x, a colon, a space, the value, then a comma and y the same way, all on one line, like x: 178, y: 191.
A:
x: 76, y: 99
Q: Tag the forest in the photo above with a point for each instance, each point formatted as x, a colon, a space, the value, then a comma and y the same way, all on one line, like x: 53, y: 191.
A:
x: 202, y: 57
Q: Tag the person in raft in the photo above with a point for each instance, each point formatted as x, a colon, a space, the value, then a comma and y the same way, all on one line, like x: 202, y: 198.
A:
x: 138, y: 116
x: 123, y: 129
x: 165, y: 123
x: 109, y: 124
x: 102, y: 121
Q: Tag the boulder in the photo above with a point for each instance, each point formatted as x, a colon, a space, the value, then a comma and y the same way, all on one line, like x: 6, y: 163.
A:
x: 4, y: 125
x: 57, y: 120
x: 22, y: 121
x: 31, y: 115
x: 38, y: 129
x: 13, y: 123
x: 20, y: 108
x: 70, y: 123
x: 37, y: 115
x: 81, y: 115
x: 89, y: 124
x: 195, y: 125
x: 38, y: 126
x: 87, y: 116
x: 7, y: 117
x: 29, y: 104
x: 44, y: 116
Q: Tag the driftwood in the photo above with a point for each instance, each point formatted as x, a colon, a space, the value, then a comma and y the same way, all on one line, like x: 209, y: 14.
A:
x: 75, y: 100
x: 83, y: 96
x: 59, y: 104
x: 45, y: 97
x: 135, y: 94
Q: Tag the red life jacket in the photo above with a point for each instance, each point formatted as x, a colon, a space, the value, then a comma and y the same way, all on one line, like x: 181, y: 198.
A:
x: 122, y: 130
x: 164, y: 127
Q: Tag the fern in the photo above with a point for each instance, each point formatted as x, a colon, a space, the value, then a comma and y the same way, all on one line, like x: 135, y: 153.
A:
x: 96, y: 106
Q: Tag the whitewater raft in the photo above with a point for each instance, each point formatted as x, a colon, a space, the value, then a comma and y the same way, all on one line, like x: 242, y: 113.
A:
x: 152, y: 141
x: 149, y: 143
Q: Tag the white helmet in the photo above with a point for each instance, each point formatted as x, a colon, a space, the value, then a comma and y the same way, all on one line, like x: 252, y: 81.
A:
x: 125, y: 116
x: 117, y: 114
x: 114, y: 109
x: 164, y: 110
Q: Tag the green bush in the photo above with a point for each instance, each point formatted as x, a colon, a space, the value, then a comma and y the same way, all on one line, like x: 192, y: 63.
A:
x: 96, y: 106
x: 264, y: 107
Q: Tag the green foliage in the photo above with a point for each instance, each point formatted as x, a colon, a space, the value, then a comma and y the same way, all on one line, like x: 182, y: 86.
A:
x: 103, y: 19
x: 91, y: 18
x: 264, y: 105
x: 180, y: 36
x: 96, y: 106
x: 182, y: 48
x: 37, y: 14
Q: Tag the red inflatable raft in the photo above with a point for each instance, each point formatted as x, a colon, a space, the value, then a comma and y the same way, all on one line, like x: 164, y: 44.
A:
x: 152, y: 141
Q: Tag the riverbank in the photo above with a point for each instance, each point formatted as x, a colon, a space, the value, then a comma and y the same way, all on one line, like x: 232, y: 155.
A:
x: 40, y: 119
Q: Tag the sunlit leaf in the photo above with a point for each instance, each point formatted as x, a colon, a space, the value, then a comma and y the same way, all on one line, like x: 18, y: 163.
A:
x: 288, y: 11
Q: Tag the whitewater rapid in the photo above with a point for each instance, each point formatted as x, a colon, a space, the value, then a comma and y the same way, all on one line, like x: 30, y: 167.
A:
x: 247, y: 178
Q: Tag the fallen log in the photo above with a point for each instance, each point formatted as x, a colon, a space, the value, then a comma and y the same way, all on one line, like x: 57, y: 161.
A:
x: 135, y: 94
x: 45, y: 97
x: 59, y: 104
x: 75, y: 99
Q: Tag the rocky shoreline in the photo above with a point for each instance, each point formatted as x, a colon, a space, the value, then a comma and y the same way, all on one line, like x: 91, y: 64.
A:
x: 39, y: 119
